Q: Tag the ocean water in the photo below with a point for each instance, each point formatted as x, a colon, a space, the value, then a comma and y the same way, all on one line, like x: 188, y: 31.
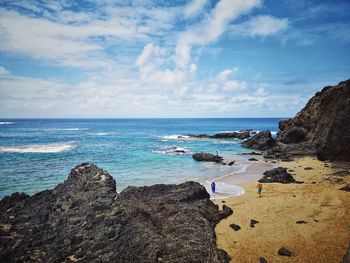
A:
x: 37, y: 154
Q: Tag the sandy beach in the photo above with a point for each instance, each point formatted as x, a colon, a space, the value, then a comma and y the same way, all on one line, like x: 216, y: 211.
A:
x: 324, y: 234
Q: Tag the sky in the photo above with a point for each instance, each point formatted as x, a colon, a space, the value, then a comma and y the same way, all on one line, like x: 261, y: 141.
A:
x: 144, y: 58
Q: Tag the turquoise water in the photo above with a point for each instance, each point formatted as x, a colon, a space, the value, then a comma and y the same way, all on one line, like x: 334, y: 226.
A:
x: 37, y: 154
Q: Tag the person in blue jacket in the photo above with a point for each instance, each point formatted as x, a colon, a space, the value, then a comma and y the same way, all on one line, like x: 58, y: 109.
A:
x: 213, y: 186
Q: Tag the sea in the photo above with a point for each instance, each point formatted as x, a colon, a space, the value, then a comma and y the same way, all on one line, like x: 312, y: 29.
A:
x: 38, y: 154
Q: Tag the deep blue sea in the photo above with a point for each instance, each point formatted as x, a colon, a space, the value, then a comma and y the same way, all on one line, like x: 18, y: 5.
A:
x: 37, y: 154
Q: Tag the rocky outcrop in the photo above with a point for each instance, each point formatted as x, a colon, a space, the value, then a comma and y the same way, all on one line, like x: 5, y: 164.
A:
x: 346, y: 258
x: 241, y: 135
x: 207, y: 157
x: 322, y: 127
x: 262, y: 141
x: 277, y: 175
x: 85, y: 220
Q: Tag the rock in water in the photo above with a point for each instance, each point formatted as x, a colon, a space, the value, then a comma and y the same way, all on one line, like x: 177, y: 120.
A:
x: 277, y: 175
x: 207, y: 157
x: 261, y: 141
x: 85, y: 219
x: 322, y: 127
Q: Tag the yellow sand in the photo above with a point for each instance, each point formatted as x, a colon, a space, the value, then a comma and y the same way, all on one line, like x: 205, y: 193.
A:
x: 326, y: 210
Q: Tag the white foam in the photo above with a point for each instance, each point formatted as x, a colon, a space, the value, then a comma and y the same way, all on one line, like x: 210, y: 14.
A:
x: 171, y: 150
x: 67, y: 129
x: 6, y: 123
x: 223, y: 190
x: 176, y: 137
x: 100, y: 133
x: 39, y: 148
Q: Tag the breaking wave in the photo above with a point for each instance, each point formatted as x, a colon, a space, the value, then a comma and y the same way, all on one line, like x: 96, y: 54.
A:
x: 39, y: 148
x: 6, y: 123
x: 171, y: 150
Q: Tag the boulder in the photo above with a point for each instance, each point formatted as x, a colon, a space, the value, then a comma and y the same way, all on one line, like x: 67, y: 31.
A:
x: 262, y: 260
x: 261, y: 141
x: 252, y: 159
x: 322, y: 127
x: 277, y: 175
x: 84, y: 219
x: 207, y: 157
x: 253, y: 222
x: 235, y: 227
x: 284, y: 252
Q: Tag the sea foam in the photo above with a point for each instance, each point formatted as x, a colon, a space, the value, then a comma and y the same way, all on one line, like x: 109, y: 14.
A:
x: 39, y: 148
x: 6, y: 123
x: 176, y: 137
x: 171, y: 150
x: 224, y: 190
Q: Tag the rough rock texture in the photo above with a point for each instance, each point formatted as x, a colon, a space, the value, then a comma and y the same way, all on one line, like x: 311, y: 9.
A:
x: 346, y: 188
x: 322, y: 127
x: 243, y: 134
x: 284, y: 252
x: 277, y: 175
x: 346, y: 258
x: 207, y: 157
x: 85, y: 219
x: 261, y: 141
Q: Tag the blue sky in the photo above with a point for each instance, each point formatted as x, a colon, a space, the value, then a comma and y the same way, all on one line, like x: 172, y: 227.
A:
x: 143, y: 58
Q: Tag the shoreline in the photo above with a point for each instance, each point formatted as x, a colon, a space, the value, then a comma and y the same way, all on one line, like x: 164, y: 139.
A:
x: 318, y: 201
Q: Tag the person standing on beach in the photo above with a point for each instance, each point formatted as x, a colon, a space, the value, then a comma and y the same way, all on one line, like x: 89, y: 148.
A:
x: 259, y: 186
x: 213, y: 187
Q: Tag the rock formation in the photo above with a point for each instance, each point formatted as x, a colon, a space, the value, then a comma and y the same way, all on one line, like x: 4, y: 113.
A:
x: 84, y: 219
x: 322, y: 127
x: 277, y: 175
x: 262, y: 141
x: 241, y: 135
x: 207, y: 157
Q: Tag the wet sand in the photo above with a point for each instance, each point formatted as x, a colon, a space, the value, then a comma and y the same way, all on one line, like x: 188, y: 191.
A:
x: 325, y: 235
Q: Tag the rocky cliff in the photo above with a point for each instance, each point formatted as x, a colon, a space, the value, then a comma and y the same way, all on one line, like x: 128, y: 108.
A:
x: 322, y: 127
x: 85, y: 220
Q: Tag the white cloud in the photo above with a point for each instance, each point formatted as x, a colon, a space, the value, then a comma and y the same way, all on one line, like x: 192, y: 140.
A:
x: 4, y: 71
x: 263, y: 25
x: 211, y: 28
x: 232, y: 85
x: 225, y: 74
x: 194, y: 7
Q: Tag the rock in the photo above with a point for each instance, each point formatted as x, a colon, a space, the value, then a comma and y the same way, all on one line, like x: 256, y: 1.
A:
x: 253, y: 222
x: 261, y: 141
x: 346, y: 188
x: 250, y: 153
x: 207, y: 157
x: 241, y: 135
x: 277, y: 175
x: 301, y: 222
x: 262, y: 260
x: 235, y: 227
x: 322, y: 127
x: 231, y: 163
x: 85, y: 218
x: 308, y: 168
x: 346, y: 258
x: 225, y: 212
x: 253, y: 159
x: 284, y: 252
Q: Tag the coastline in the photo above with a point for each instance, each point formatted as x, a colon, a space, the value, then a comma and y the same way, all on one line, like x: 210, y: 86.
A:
x: 318, y: 201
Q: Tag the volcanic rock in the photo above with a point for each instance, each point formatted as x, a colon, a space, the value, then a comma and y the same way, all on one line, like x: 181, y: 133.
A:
x: 84, y: 219
x: 261, y: 141
x: 253, y: 222
x: 235, y: 227
x: 243, y: 134
x: 207, y: 157
x: 322, y: 127
x: 277, y: 175
x: 262, y: 260
x: 284, y: 252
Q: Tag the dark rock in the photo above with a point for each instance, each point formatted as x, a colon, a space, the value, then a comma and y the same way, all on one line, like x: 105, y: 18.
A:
x: 301, y: 222
x: 346, y: 258
x: 250, y: 153
x: 207, y: 157
x: 241, y: 135
x: 277, y: 175
x: 235, y: 227
x: 346, y: 188
x: 253, y: 222
x: 322, y: 127
x: 231, y: 163
x: 225, y: 212
x: 85, y: 218
x: 261, y: 141
x: 308, y: 168
x: 262, y: 260
x: 284, y: 252
x: 253, y: 159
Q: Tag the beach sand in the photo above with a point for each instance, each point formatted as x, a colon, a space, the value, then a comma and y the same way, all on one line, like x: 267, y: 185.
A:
x: 326, y: 210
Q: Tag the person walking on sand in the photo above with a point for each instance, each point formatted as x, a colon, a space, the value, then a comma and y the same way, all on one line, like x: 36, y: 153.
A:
x: 259, y: 186
x: 213, y: 187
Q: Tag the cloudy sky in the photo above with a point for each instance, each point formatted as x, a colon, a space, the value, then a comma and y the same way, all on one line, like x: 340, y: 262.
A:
x: 144, y: 58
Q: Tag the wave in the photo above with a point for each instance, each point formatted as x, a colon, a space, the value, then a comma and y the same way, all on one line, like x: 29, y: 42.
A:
x: 223, y: 190
x: 67, y: 129
x: 39, y: 148
x: 171, y: 150
x: 100, y: 133
x: 176, y: 137
x: 6, y: 123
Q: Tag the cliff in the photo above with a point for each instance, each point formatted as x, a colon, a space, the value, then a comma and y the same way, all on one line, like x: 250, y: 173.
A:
x: 322, y: 127
x: 85, y: 220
